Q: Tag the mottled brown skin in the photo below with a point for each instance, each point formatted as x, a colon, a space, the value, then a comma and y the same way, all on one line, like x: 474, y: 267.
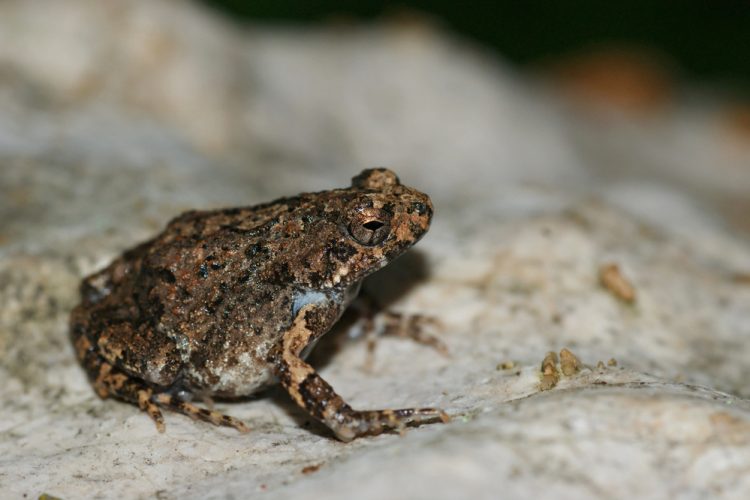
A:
x: 225, y: 302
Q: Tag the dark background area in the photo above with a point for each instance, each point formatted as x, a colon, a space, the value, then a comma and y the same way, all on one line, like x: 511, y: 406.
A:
x: 708, y: 40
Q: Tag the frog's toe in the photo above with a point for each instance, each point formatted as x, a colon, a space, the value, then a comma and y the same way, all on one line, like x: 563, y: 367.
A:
x: 414, y: 327
x: 146, y: 404
x: 352, y: 423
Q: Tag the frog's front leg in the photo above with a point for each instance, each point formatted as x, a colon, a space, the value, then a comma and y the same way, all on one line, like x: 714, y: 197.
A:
x: 317, y: 397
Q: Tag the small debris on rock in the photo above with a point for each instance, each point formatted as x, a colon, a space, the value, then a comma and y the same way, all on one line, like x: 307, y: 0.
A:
x: 600, y: 366
x: 569, y: 366
x: 613, y: 280
x: 569, y: 363
x: 550, y: 374
x: 506, y: 365
x: 612, y: 362
x: 311, y: 468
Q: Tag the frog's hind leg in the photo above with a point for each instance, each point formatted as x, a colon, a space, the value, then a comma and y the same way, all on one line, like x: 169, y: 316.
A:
x: 116, y: 383
x: 172, y: 402
x: 317, y: 397
x: 109, y: 380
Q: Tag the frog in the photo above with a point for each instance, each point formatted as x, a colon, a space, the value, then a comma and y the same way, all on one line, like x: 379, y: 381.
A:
x: 224, y: 303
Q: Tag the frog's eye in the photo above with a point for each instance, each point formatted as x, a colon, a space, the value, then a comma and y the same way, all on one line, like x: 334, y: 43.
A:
x: 370, y: 226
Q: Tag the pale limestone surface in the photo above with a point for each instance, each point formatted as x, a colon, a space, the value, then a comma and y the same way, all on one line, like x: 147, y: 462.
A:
x: 115, y: 116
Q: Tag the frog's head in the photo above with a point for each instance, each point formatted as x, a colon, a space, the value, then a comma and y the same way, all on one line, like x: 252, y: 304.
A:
x: 380, y: 220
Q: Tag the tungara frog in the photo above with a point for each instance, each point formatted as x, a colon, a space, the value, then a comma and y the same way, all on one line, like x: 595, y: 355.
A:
x: 225, y: 302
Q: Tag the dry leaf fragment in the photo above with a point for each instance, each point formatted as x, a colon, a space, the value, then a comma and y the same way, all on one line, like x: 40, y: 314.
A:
x: 550, y: 374
x: 569, y: 363
x: 613, y: 280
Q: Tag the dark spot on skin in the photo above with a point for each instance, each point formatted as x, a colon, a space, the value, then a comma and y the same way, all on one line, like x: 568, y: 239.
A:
x: 415, y: 229
x: 253, y: 250
x: 154, y: 316
x: 264, y: 297
x: 315, y: 394
x: 232, y: 361
x: 284, y: 273
x: 231, y: 228
x: 318, y: 319
x: 203, y: 271
x: 418, y: 207
x: 292, y: 204
x: 78, y: 330
x: 342, y: 250
x: 167, y: 275
x: 199, y: 359
x: 400, y: 247
x: 213, y: 306
x: 194, y: 228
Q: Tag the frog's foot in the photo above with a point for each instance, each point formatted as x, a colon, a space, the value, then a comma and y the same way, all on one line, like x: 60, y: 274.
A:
x: 146, y: 404
x: 349, y: 424
x: 174, y: 403
x: 114, y: 382
x: 375, y: 322
x: 317, y: 397
x: 411, y: 326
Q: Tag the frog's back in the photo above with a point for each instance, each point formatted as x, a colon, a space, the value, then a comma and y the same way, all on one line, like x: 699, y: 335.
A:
x: 207, y: 288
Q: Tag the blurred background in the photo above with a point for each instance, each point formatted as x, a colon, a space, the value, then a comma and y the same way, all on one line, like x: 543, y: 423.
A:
x: 680, y: 61
x: 644, y: 104
x: 708, y: 41
x: 642, y: 85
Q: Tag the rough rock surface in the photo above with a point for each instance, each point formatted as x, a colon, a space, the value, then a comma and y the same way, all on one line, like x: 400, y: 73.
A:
x: 115, y: 116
